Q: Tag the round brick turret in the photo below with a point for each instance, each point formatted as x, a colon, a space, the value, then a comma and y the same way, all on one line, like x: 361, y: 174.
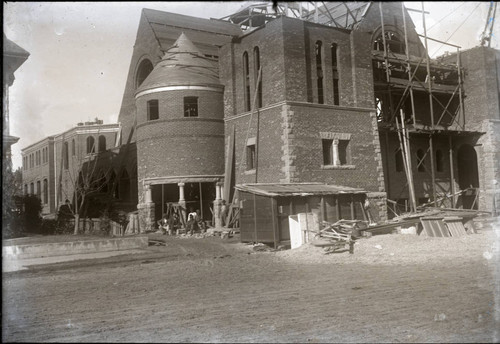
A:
x: 180, y: 126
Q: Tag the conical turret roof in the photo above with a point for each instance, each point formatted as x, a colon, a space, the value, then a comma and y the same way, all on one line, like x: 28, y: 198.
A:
x: 182, y: 65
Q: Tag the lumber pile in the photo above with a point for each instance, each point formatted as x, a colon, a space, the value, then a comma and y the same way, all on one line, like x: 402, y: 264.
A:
x: 336, y: 236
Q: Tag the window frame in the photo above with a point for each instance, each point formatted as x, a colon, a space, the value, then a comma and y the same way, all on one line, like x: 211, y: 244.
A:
x: 153, y: 110
x: 191, y: 101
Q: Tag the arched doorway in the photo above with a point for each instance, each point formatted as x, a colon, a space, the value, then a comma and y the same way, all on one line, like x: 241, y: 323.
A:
x: 468, y: 175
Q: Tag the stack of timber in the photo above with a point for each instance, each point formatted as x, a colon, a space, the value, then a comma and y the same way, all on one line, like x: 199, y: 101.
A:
x: 338, y: 235
x: 433, y: 222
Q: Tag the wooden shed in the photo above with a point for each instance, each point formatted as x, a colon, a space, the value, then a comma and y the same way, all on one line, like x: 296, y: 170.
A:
x: 265, y: 208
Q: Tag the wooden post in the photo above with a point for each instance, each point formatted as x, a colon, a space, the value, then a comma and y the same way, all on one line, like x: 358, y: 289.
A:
x: 273, y: 215
x: 452, y: 173
x: 322, y: 209
x: 410, y: 78
x: 462, y: 113
x: 433, y: 174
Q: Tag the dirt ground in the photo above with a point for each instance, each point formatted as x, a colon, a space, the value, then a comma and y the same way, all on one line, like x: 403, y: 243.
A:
x: 394, y: 288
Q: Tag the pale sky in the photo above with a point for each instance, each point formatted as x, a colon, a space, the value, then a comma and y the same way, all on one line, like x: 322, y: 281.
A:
x: 80, y: 54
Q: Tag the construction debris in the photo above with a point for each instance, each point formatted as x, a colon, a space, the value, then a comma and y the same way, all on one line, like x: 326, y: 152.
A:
x: 336, y: 236
x: 433, y: 222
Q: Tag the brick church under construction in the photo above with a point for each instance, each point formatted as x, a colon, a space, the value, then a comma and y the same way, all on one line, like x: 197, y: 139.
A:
x: 343, y: 96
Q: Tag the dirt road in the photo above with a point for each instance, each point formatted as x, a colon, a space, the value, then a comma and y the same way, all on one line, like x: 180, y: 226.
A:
x: 394, y: 288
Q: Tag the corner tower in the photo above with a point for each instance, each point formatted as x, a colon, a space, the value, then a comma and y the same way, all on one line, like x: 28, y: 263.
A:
x: 180, y: 133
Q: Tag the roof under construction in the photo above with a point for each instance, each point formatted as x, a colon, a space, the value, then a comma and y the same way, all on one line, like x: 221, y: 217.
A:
x: 297, y: 189
x: 182, y: 65
x: 337, y: 14
x: 167, y: 27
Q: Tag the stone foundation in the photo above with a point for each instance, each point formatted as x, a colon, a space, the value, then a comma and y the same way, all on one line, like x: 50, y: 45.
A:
x: 378, y: 202
x: 146, y: 216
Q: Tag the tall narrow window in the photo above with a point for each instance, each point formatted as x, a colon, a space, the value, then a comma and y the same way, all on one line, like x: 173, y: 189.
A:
x: 251, y: 157
x: 38, y: 189
x: 343, y: 151
x: 420, y: 161
x: 256, y: 58
x: 73, y: 149
x: 32, y: 189
x: 439, y: 161
x: 90, y: 145
x: 190, y: 106
x: 153, y: 110
x: 327, y: 152
x: 319, y: 70
x: 25, y: 189
x: 66, y: 155
x: 246, y: 81
x: 102, y: 143
x: 45, y: 191
x: 335, y: 76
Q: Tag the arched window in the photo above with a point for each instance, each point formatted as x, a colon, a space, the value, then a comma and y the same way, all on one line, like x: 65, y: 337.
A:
x: 319, y: 70
x: 66, y: 155
x: 102, y: 143
x: 45, y: 191
x: 25, y: 189
x: 399, y: 161
x: 420, y: 161
x: 439, y: 161
x: 32, y: 189
x: 90, y: 145
x: 73, y: 148
x: 145, y: 68
x: 246, y: 81
x: 393, y: 42
x: 38, y: 189
x: 256, y: 59
x: 335, y: 75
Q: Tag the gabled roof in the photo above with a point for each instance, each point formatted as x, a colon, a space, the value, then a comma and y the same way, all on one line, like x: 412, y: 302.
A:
x: 296, y: 189
x: 207, y: 32
x: 182, y: 65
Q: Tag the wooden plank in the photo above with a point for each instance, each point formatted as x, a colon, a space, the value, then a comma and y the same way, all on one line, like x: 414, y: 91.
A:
x: 455, y: 225
x: 228, y: 174
x: 443, y: 229
x: 427, y: 227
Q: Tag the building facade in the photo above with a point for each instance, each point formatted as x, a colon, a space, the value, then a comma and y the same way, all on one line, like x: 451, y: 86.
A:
x: 311, y: 97
x: 344, y: 95
x: 51, y: 167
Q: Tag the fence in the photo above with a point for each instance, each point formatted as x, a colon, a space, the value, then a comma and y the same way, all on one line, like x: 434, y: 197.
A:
x: 97, y: 225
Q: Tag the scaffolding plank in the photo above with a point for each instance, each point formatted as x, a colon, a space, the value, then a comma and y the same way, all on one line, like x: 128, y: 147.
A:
x: 434, y: 227
x: 455, y: 225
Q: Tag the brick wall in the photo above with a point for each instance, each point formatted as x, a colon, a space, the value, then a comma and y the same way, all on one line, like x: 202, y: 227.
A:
x: 175, y: 145
x: 146, y: 47
x: 41, y: 172
x: 481, y: 86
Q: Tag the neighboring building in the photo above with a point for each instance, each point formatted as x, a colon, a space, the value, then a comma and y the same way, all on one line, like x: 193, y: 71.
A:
x: 13, y: 57
x: 51, y: 166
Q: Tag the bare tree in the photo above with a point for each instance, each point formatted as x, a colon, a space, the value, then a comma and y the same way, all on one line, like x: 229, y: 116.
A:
x: 88, y: 175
